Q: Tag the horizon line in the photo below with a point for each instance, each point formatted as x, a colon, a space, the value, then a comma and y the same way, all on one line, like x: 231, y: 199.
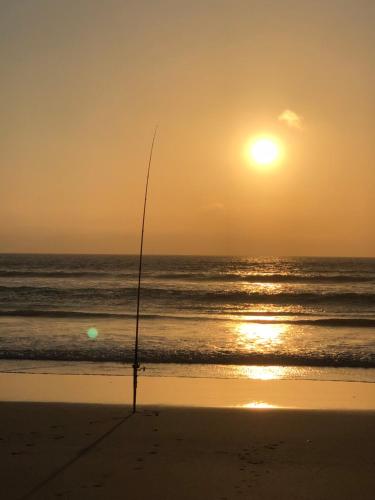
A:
x: 109, y: 254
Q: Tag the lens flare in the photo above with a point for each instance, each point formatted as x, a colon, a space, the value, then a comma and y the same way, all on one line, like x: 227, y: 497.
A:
x: 92, y: 333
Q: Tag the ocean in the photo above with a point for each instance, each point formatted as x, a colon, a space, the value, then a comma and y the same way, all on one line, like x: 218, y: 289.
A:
x: 263, y: 318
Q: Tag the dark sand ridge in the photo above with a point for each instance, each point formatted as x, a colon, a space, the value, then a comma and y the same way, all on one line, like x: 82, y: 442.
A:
x: 184, y: 453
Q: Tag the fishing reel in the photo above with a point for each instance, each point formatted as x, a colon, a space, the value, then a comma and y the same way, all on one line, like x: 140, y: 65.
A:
x: 138, y: 367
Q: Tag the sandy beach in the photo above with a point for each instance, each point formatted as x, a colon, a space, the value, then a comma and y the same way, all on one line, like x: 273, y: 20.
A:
x: 91, y: 451
x: 64, y: 450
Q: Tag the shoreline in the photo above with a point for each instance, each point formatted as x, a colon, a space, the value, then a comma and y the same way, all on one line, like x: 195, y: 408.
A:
x: 188, y: 392
x: 252, y: 372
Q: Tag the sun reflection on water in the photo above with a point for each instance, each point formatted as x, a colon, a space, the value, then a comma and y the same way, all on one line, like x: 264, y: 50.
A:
x: 260, y: 336
x: 258, y: 405
x: 263, y: 372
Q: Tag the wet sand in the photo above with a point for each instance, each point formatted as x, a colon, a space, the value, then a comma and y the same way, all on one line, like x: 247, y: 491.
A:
x: 189, y: 392
x: 73, y: 451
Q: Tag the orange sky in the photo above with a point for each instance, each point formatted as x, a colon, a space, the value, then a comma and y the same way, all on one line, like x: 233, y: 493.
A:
x: 84, y: 83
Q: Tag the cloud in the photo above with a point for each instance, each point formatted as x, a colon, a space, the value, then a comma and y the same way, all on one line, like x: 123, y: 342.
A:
x: 291, y: 119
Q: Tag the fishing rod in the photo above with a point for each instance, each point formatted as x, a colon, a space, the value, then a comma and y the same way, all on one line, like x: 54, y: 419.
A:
x: 136, y: 365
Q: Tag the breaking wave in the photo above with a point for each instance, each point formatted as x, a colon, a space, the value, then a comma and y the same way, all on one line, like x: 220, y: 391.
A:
x: 283, y: 319
x: 125, y: 355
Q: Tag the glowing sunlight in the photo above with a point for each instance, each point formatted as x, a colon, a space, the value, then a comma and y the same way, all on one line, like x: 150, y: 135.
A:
x: 258, y: 405
x: 264, y: 151
x: 258, y: 336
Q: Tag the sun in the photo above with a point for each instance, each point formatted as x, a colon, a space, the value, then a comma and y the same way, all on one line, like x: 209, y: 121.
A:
x: 264, y: 151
